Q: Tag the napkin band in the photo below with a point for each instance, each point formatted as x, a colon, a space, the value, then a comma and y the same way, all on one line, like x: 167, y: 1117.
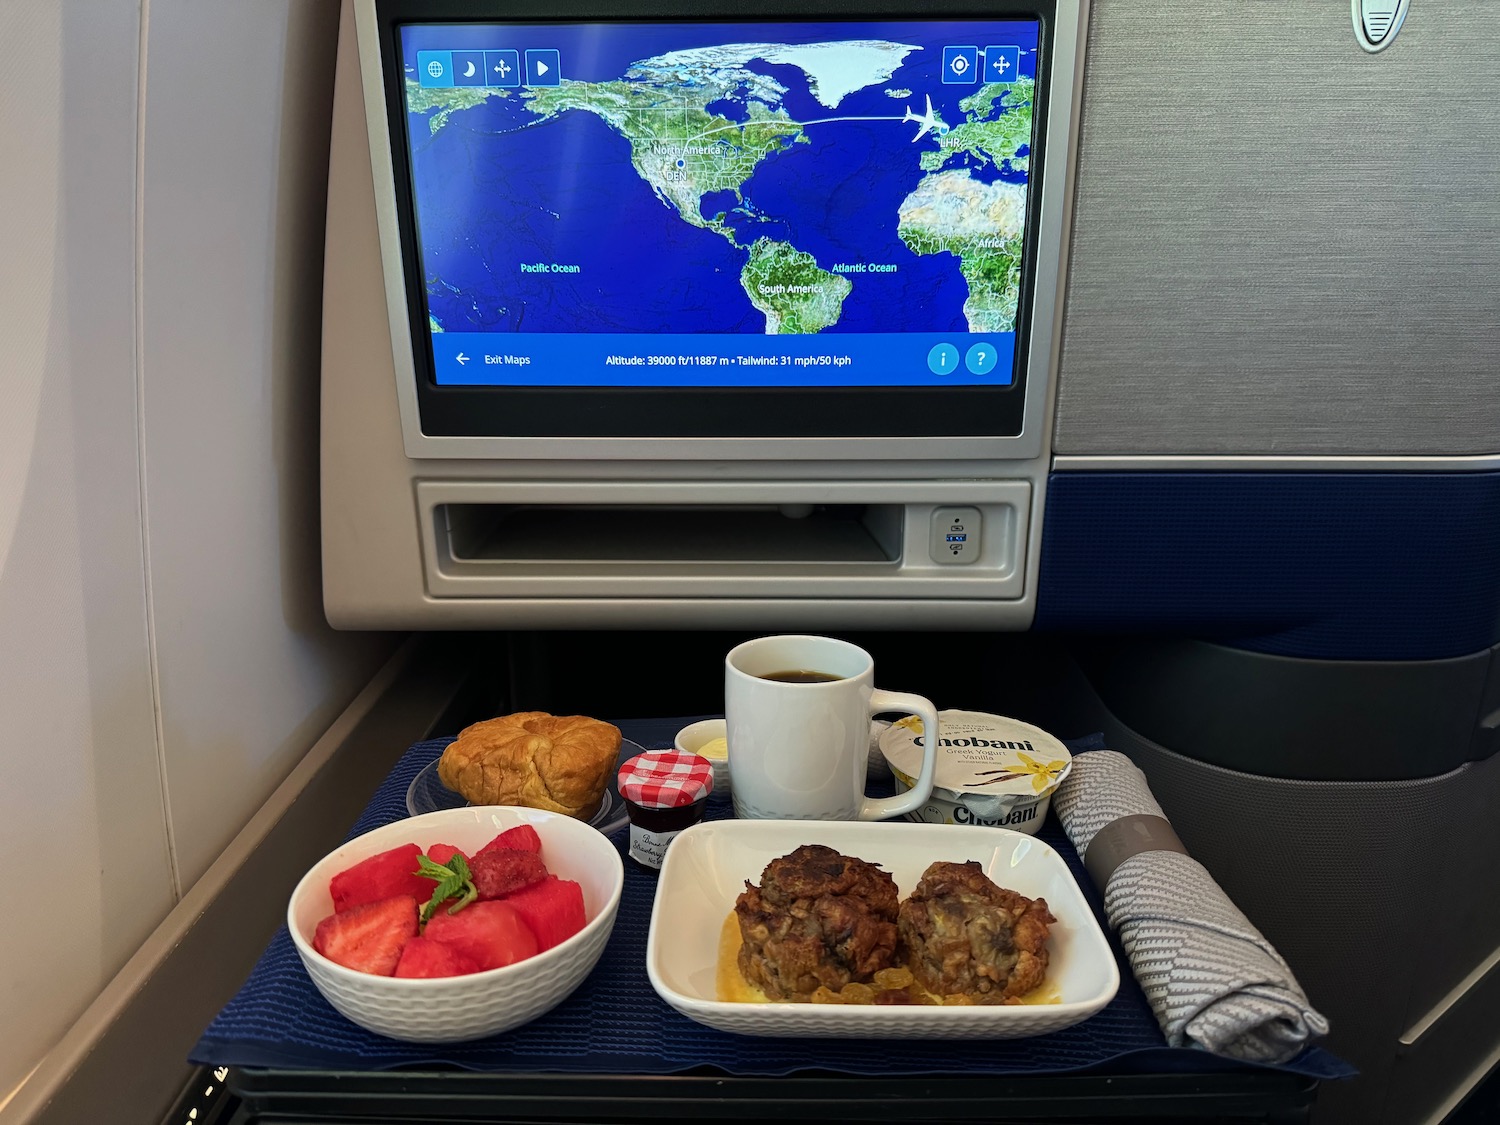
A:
x: 1128, y: 836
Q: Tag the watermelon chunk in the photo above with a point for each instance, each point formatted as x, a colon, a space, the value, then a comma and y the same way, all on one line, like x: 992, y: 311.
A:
x: 551, y: 909
x: 490, y: 934
x: 505, y: 870
x: 369, y: 937
x: 424, y: 957
x: 440, y: 854
x: 522, y: 838
x: 387, y: 875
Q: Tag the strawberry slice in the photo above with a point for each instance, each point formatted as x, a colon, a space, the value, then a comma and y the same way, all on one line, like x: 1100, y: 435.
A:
x: 522, y: 838
x: 490, y: 934
x: 552, y: 910
x: 424, y: 957
x: 386, y: 875
x: 368, y: 937
x: 498, y: 873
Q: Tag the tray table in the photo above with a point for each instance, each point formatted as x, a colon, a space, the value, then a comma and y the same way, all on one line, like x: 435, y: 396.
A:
x: 616, y: 1051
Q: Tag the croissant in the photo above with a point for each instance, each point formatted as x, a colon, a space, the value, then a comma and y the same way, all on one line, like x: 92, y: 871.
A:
x: 531, y: 758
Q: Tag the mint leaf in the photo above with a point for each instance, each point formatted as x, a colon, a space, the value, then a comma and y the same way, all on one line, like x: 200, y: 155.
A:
x: 454, y: 880
x: 431, y: 870
x: 460, y: 865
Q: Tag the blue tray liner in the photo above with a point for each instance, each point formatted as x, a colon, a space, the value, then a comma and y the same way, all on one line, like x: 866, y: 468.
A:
x: 616, y: 1024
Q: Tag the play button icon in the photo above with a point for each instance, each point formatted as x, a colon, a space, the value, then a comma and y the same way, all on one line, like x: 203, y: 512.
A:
x: 543, y: 68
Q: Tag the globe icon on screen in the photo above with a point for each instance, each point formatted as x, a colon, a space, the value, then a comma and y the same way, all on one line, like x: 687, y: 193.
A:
x: 435, y: 69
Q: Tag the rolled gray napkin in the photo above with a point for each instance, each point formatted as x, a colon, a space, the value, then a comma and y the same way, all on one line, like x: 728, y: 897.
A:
x: 1209, y: 975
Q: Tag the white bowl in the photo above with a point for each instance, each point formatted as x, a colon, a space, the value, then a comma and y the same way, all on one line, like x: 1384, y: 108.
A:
x: 693, y: 737
x: 706, y: 868
x: 454, y: 1009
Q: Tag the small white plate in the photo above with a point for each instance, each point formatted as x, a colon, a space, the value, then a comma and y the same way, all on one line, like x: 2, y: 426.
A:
x: 693, y: 737
x: 427, y: 793
x: 707, y: 866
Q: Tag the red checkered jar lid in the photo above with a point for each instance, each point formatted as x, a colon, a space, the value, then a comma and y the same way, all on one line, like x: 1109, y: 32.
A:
x: 666, y: 779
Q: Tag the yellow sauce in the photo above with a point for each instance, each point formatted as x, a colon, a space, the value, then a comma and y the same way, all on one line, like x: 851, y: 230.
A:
x: 716, y: 748
x: 730, y: 985
x: 1044, y: 993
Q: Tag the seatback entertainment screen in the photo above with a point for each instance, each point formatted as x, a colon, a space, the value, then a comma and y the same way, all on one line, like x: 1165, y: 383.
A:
x: 722, y: 207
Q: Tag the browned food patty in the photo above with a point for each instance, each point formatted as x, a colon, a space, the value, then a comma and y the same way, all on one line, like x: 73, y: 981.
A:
x: 817, y: 918
x: 963, y: 935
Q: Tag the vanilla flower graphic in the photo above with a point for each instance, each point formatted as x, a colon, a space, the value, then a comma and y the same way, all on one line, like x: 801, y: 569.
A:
x: 1042, y: 774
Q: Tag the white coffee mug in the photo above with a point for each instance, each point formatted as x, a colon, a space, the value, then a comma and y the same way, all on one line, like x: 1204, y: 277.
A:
x: 799, y: 747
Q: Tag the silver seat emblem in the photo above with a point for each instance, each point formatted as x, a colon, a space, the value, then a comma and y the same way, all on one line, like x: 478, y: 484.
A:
x: 1377, y: 21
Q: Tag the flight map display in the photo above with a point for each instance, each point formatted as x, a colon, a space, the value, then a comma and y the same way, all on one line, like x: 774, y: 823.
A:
x: 721, y: 205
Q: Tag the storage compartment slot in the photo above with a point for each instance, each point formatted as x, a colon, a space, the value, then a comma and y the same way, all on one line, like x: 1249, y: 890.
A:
x: 667, y: 534
x: 715, y: 540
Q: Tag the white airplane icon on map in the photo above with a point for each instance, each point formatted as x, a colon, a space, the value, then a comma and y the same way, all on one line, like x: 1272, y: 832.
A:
x: 927, y: 120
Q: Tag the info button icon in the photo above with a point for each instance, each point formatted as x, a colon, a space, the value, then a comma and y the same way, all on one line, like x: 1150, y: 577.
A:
x: 943, y: 359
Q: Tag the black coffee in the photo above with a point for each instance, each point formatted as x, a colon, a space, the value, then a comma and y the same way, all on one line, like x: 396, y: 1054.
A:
x: 800, y: 676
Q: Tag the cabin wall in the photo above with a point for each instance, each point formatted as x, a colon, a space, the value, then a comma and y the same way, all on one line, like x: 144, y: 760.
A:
x: 164, y: 662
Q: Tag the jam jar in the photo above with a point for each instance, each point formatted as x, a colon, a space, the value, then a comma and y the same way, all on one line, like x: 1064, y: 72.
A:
x: 664, y: 792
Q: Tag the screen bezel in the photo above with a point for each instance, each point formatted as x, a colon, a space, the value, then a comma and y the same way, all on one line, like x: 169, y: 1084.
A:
x: 881, y: 423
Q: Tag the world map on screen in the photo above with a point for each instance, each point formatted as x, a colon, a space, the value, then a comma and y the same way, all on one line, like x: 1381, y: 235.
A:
x: 824, y: 185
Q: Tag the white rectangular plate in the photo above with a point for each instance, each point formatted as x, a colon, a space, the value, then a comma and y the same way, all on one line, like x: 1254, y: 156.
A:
x: 707, y: 866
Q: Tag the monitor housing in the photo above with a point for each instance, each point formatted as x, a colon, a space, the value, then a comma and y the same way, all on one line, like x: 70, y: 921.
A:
x: 692, y: 460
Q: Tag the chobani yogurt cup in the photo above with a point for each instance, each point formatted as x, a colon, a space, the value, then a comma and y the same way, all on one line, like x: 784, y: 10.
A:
x: 991, y: 770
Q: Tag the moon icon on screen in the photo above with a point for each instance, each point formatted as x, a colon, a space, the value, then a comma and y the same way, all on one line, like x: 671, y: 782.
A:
x: 469, y: 70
